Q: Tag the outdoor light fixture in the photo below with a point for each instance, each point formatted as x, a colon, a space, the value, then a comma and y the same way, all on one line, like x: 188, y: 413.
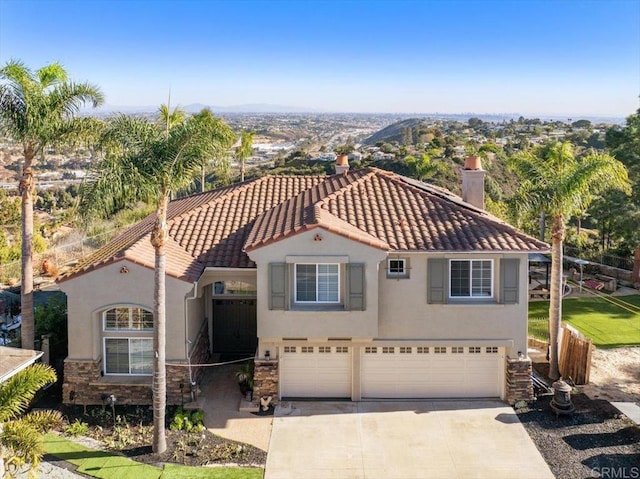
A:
x: 267, y: 354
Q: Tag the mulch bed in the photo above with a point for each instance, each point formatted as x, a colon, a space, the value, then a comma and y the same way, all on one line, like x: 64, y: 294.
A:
x: 130, y: 435
x: 199, y: 449
x: 595, y: 442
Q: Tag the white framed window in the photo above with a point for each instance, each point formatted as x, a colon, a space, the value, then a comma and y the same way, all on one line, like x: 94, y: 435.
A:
x: 317, y: 283
x: 397, y: 268
x: 471, y: 278
x: 127, y: 319
x: 133, y: 356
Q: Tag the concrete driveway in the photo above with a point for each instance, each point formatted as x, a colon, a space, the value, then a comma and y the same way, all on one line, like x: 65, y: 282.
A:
x: 401, y: 440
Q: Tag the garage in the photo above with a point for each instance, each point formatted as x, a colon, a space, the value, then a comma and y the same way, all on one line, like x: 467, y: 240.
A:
x: 315, y: 372
x: 432, y: 371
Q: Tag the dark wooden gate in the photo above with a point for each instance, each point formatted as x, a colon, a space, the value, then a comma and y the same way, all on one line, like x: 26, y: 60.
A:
x: 234, y: 326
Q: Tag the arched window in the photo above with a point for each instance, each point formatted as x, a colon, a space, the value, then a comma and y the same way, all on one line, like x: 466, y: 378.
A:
x: 128, y: 353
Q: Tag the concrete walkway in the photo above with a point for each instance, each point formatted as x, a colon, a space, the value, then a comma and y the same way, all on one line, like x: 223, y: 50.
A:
x: 402, y: 440
x: 220, y: 400
x: 629, y: 409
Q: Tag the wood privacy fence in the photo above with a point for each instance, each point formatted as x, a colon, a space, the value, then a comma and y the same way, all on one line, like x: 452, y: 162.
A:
x: 575, y: 355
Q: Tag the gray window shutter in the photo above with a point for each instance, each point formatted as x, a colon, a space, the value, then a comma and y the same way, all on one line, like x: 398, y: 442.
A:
x: 509, y: 274
x: 355, y: 287
x: 437, y: 280
x: 277, y: 286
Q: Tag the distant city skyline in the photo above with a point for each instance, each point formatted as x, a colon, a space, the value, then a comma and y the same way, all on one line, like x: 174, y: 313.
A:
x: 533, y: 57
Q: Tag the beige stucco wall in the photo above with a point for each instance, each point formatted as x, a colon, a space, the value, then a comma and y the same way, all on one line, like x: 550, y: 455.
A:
x: 317, y: 324
x: 405, y: 313
x: 89, y: 294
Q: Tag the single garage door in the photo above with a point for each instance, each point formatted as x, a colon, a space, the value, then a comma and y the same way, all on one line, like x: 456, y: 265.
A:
x: 432, y: 372
x: 315, y: 371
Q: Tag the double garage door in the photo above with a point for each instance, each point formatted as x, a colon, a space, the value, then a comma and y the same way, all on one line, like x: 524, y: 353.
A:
x: 393, y: 372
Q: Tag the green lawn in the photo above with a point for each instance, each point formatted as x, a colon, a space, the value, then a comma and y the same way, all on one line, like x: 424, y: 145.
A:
x: 106, y: 465
x: 606, y: 324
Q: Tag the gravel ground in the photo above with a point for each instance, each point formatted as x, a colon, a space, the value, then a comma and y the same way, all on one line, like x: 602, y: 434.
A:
x: 596, y: 442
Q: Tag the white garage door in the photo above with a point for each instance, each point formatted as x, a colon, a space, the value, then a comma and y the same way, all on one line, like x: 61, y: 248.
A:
x: 432, y: 372
x: 315, y: 371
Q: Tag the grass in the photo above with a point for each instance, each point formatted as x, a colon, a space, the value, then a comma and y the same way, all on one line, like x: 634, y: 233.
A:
x: 106, y: 465
x: 607, y: 325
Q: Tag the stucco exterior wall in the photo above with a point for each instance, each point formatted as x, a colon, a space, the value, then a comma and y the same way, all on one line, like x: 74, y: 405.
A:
x: 91, y: 293
x: 405, y: 313
x: 295, y: 323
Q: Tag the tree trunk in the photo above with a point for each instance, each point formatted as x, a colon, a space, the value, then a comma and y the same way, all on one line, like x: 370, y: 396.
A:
x: 635, y: 276
x: 241, y: 170
x: 26, y: 291
x: 158, y: 239
x: 555, y: 303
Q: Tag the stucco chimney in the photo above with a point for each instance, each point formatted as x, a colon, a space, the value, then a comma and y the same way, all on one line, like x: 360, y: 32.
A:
x: 342, y: 164
x: 473, y: 181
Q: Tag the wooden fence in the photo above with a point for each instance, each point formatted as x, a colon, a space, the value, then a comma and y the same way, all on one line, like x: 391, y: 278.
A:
x: 575, y: 355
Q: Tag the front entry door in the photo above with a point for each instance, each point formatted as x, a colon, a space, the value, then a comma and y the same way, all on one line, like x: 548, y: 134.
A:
x: 234, y: 326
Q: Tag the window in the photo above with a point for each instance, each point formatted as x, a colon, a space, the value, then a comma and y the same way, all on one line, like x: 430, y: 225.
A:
x: 128, y: 356
x: 317, y: 283
x: 388, y: 350
x: 128, y: 319
x: 397, y: 268
x: 457, y: 350
x: 405, y: 350
x: 370, y: 350
x: 289, y: 349
x: 423, y: 350
x: 475, y: 349
x: 471, y: 278
x: 440, y: 350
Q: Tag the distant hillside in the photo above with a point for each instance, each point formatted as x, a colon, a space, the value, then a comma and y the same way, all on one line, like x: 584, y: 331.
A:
x: 394, y: 132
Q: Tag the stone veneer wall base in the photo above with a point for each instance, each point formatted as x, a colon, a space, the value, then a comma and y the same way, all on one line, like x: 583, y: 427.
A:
x: 265, y: 380
x: 519, y: 383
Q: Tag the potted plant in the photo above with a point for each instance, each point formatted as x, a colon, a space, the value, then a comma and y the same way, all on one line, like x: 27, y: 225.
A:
x: 245, y: 377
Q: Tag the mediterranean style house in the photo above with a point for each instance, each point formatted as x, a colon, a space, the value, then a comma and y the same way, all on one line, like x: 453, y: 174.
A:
x: 363, y: 284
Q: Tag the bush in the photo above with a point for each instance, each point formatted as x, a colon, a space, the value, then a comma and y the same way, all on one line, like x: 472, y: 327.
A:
x: 76, y: 428
x: 187, y: 421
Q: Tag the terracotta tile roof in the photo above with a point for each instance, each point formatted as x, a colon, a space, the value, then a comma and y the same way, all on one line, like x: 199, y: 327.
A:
x: 400, y: 214
x: 372, y: 206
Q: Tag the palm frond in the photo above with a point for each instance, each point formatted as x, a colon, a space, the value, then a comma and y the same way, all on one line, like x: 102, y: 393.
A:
x: 43, y: 420
x: 23, y: 443
x: 18, y: 391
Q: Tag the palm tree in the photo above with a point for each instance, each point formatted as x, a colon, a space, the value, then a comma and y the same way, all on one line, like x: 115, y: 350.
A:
x: 555, y: 181
x: 146, y: 162
x: 37, y: 110
x: 244, y: 150
x: 21, y: 434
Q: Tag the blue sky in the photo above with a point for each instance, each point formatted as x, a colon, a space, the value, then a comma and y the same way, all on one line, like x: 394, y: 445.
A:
x: 555, y: 57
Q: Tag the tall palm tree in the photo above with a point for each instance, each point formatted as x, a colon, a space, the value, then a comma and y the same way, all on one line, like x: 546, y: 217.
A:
x: 21, y: 434
x: 244, y: 150
x: 144, y: 161
x: 37, y: 109
x: 557, y: 182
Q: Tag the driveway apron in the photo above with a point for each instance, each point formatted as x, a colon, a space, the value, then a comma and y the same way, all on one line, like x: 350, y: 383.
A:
x: 401, y: 440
